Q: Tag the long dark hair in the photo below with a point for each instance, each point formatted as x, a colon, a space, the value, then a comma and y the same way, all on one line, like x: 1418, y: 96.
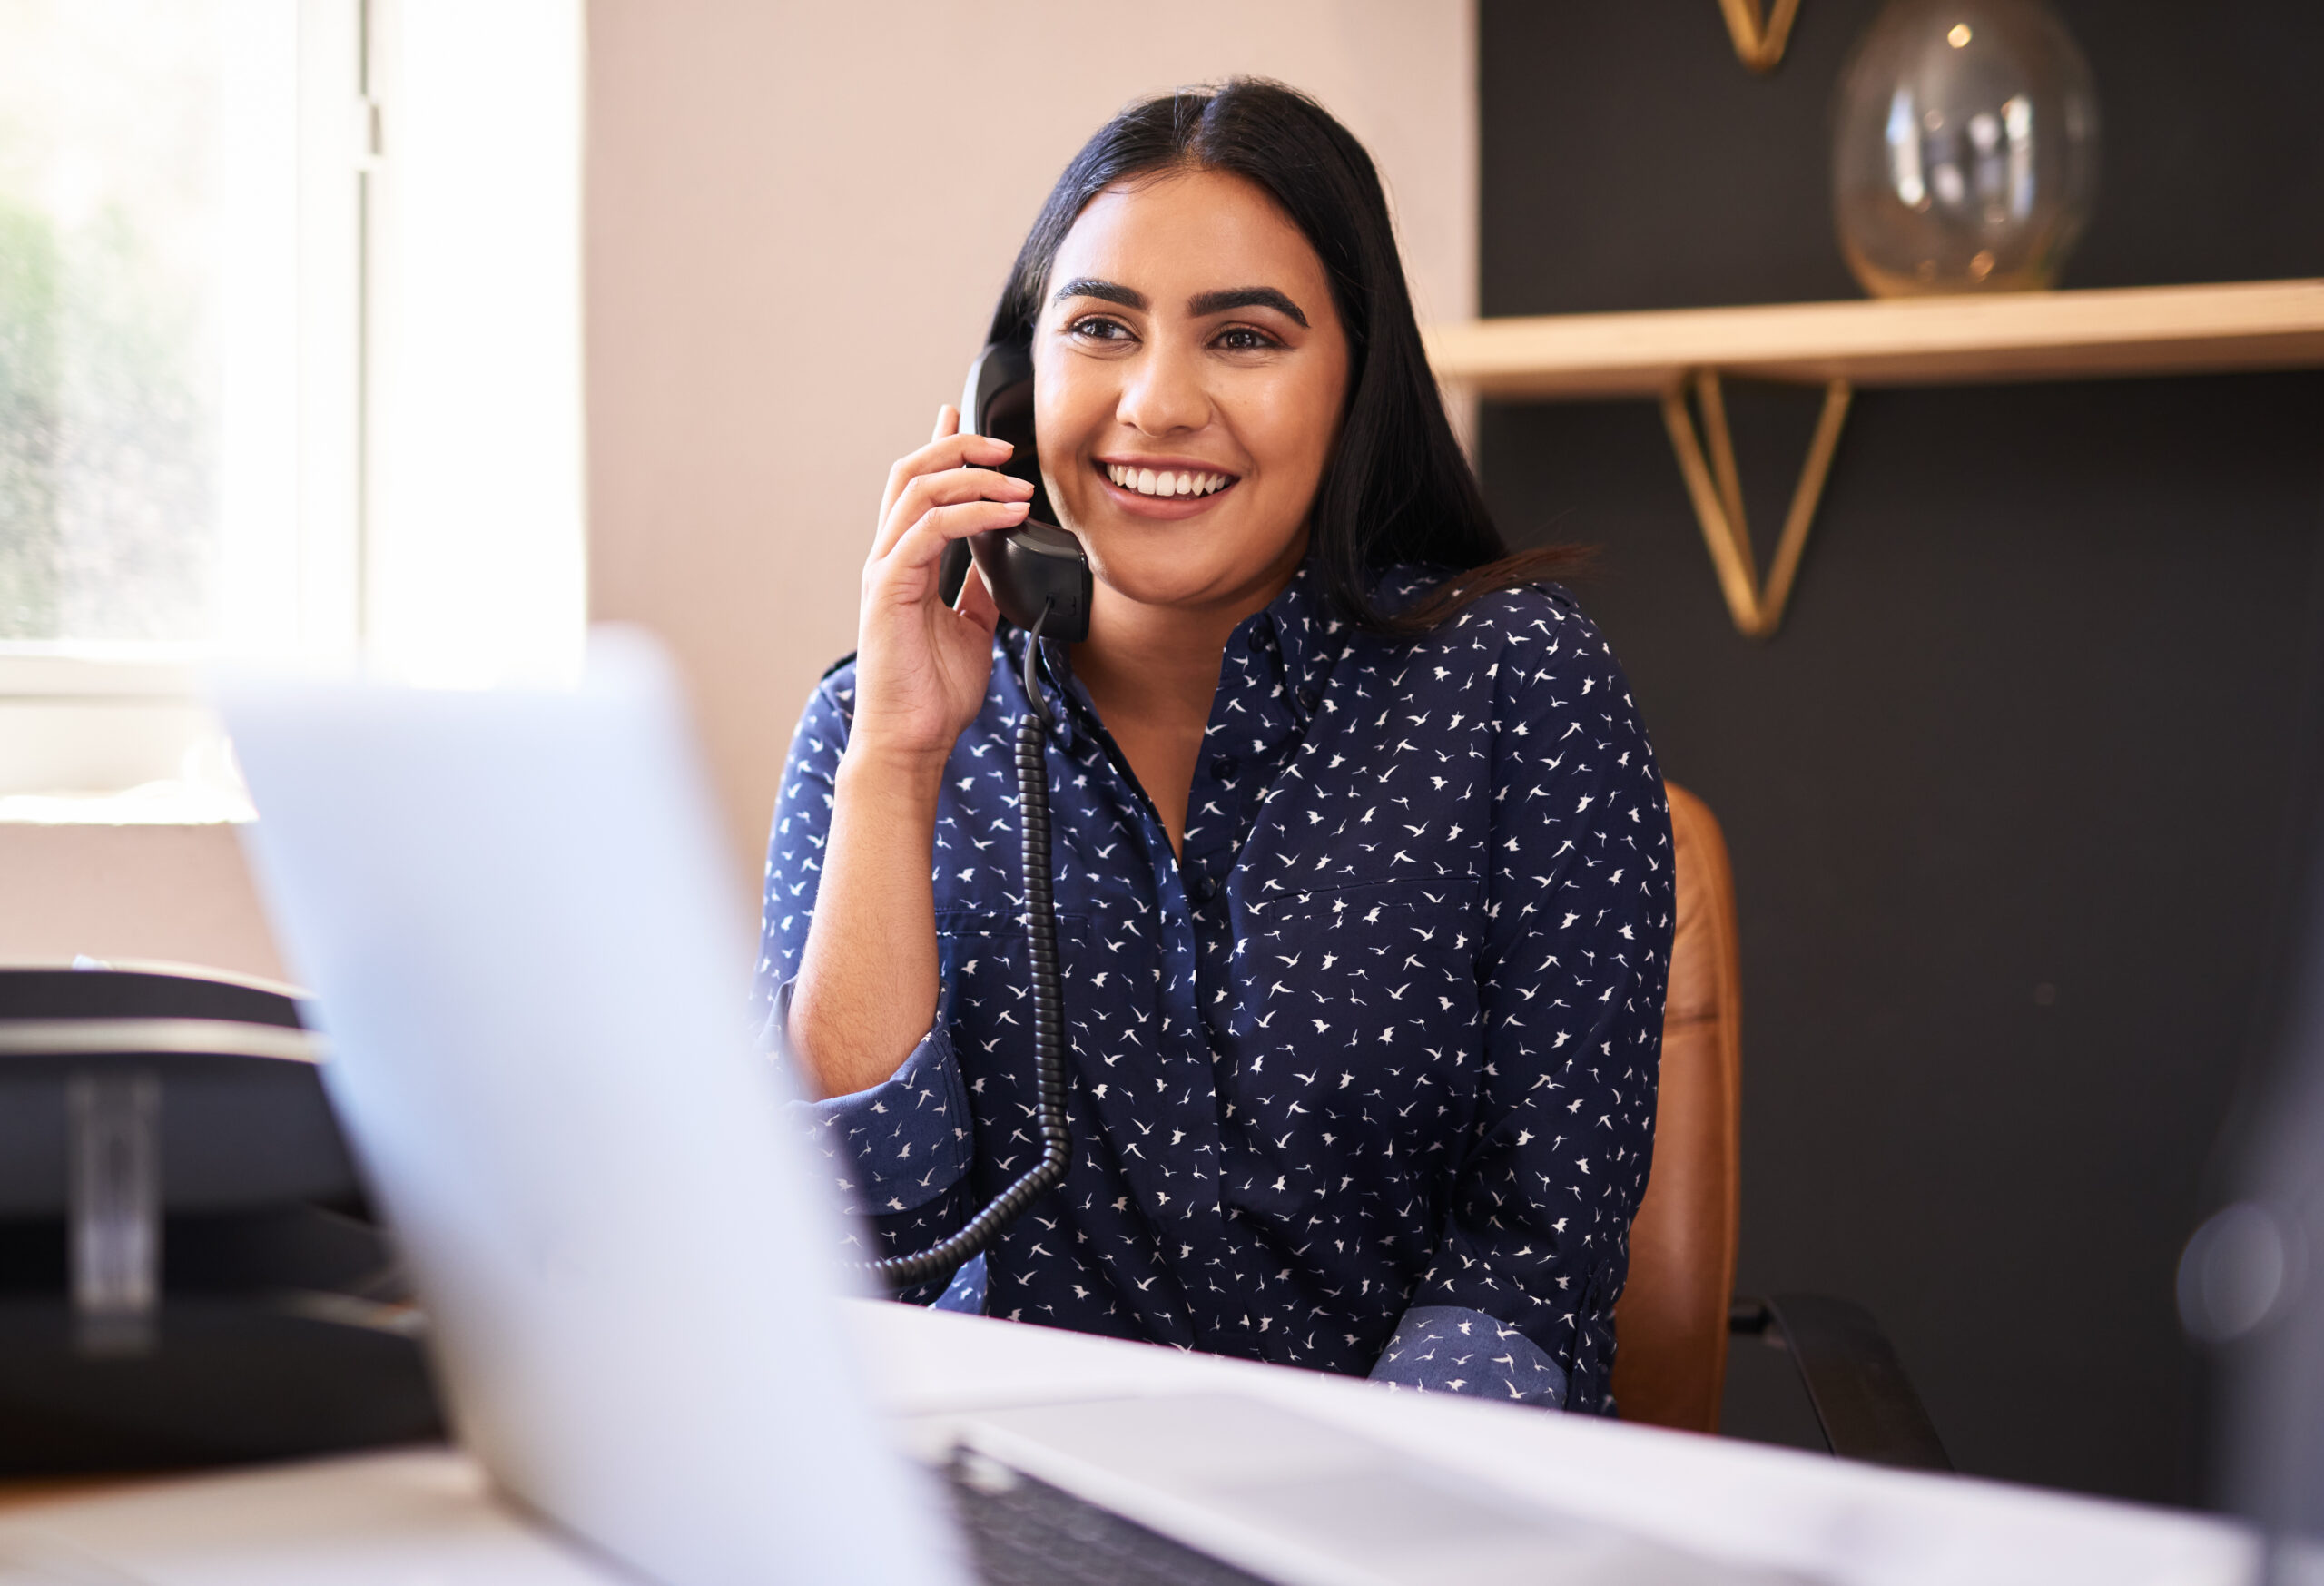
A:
x: 1397, y: 490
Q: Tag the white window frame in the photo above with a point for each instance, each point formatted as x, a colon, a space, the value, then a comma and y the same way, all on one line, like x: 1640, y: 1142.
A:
x: 80, y: 718
x: 83, y: 719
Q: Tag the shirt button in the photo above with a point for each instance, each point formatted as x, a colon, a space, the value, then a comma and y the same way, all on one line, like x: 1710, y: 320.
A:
x: 1258, y: 641
x: 1205, y: 889
x: 1224, y: 766
x: 1307, y: 700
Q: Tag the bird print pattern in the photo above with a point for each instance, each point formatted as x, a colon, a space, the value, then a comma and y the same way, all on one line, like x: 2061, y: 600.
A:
x: 1365, y: 1081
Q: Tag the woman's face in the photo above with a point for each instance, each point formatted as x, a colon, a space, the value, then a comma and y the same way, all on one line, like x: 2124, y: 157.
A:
x: 1190, y: 373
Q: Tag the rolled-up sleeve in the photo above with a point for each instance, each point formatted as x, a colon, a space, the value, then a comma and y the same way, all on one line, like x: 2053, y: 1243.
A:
x: 903, y: 1142
x: 898, y: 1152
x: 1534, y: 1245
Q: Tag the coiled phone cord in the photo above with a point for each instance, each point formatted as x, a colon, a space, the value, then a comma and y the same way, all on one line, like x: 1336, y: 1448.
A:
x: 1048, y: 1009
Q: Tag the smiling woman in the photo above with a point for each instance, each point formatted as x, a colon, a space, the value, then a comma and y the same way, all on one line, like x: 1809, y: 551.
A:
x: 1145, y: 367
x: 1364, y: 866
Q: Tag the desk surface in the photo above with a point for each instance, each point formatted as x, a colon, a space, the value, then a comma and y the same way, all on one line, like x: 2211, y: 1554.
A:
x: 429, y: 1513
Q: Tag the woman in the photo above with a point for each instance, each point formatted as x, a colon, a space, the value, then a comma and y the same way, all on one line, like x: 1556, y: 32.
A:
x: 1362, y: 864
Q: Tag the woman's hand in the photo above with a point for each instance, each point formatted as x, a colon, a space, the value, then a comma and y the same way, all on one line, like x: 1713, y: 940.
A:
x: 866, y: 991
x: 922, y: 667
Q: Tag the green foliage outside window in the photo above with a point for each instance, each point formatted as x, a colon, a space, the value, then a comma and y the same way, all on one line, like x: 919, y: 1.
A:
x: 30, y: 373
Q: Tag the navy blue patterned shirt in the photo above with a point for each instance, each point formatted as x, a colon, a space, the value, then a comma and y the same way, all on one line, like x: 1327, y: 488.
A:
x: 1362, y: 1082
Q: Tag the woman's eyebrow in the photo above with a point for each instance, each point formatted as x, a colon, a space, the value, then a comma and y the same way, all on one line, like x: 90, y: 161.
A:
x: 1205, y: 304
x: 1105, y: 291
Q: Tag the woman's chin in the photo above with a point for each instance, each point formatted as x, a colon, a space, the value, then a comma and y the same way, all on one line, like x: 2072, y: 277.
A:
x: 1181, y: 570
x: 1147, y: 578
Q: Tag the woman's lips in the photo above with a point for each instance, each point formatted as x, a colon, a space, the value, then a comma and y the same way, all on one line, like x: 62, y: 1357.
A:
x: 1140, y: 488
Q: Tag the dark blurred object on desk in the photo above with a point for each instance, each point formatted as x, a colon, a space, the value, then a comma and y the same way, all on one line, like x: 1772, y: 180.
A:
x: 2251, y: 1280
x: 188, y: 1274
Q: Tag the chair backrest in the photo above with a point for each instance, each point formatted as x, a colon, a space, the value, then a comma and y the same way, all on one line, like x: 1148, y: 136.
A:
x: 1670, y: 1325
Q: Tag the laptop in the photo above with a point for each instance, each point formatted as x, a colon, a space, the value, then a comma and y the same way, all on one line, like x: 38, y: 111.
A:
x: 530, y: 962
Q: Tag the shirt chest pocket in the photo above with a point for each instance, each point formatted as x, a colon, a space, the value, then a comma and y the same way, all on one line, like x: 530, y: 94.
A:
x: 978, y: 952
x: 1392, y: 964
x: 982, y: 963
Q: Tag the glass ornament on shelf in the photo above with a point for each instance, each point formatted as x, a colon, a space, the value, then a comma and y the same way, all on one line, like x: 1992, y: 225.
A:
x: 1964, y: 148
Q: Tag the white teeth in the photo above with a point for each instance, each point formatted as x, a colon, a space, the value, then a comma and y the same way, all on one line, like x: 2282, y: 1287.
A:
x: 1165, y: 485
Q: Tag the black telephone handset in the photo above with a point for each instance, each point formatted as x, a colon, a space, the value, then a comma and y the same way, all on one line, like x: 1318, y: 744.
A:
x: 1041, y: 582
x: 1036, y: 565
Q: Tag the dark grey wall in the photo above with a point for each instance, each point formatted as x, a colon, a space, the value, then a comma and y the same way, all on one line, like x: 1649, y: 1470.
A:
x: 2011, y: 798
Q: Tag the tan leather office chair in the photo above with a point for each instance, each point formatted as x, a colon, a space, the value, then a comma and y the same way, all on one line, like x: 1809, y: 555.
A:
x: 1670, y: 1325
x: 1673, y: 1321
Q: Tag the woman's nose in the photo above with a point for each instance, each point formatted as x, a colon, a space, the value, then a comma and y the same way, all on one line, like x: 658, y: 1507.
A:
x: 1163, y: 392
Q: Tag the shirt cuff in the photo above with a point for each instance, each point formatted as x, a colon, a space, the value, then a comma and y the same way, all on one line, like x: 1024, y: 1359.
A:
x: 965, y: 1293
x: 1450, y: 1349
x: 899, y: 1144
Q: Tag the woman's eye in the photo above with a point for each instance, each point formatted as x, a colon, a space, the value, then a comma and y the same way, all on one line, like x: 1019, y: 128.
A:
x: 1243, y: 339
x: 1101, y: 329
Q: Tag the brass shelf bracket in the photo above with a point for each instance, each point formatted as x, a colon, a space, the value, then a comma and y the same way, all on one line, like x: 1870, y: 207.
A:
x: 1717, y: 491
x: 1760, y: 37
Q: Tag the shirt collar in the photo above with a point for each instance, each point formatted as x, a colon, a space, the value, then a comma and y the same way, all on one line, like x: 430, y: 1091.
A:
x: 1305, y: 635
x: 1063, y: 692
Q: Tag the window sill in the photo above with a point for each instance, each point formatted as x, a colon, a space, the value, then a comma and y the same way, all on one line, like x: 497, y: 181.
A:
x: 121, y: 737
x: 155, y: 803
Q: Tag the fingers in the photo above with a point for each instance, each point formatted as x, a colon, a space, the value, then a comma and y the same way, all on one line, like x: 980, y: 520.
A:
x: 945, y: 451
x: 948, y: 488
x: 952, y: 486
x: 924, y: 541
x: 948, y: 422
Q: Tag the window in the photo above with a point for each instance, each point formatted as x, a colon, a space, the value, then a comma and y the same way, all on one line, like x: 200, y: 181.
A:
x: 289, y: 363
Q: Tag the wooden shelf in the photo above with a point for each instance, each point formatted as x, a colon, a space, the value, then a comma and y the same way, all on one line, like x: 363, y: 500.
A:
x: 1676, y: 354
x: 1901, y: 342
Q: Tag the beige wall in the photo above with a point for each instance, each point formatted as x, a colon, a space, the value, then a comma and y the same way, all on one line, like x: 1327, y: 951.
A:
x: 178, y: 893
x: 799, y: 215
x: 798, y: 218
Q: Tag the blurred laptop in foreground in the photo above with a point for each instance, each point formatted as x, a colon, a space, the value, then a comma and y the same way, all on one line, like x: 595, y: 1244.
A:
x: 515, y: 919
